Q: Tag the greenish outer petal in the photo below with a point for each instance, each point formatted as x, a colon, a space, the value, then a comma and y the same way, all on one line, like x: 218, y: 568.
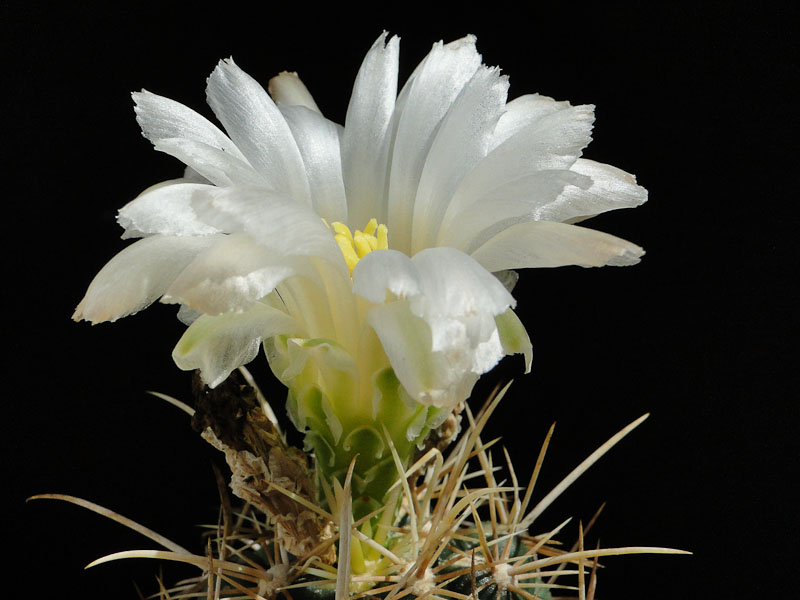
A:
x: 219, y: 344
x: 514, y: 337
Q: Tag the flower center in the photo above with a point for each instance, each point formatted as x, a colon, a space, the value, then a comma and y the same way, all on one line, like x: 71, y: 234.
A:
x: 355, y: 246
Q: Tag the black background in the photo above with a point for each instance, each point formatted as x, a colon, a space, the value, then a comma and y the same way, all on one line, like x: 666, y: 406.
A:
x: 701, y: 334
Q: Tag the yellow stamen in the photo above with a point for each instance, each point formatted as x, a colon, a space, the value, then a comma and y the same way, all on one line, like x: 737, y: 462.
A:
x: 356, y: 246
x: 361, y: 243
x: 342, y: 229
x: 371, y: 227
x: 346, y: 246
x: 383, y: 237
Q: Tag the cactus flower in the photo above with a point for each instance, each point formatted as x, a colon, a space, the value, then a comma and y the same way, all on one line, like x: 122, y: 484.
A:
x: 371, y: 261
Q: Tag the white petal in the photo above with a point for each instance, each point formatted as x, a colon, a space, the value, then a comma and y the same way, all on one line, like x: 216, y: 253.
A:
x: 257, y: 127
x: 406, y: 339
x: 364, y: 142
x: 548, y: 244
x: 553, y: 142
x: 487, y: 354
x: 187, y: 315
x: 515, y: 201
x: 432, y: 378
x: 523, y: 112
x: 442, y: 333
x: 161, y: 118
x: 385, y: 270
x: 272, y: 219
x: 230, y: 276
x: 166, y: 210
x: 455, y: 284
x: 461, y: 141
x: 218, y: 345
x: 318, y: 140
x: 456, y: 291
x: 215, y: 165
x: 610, y: 189
x: 192, y: 176
x: 441, y: 282
x: 431, y: 92
x: 138, y: 275
x: 288, y: 89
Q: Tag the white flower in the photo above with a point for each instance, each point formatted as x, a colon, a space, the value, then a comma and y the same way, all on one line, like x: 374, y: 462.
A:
x: 466, y: 183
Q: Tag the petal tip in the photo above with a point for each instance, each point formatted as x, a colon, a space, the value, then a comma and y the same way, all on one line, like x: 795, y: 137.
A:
x: 77, y: 315
x: 629, y: 256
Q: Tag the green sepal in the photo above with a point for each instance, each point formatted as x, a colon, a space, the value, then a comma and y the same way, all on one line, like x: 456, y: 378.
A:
x: 365, y: 441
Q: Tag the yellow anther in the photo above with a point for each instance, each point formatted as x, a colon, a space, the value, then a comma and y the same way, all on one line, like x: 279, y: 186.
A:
x: 356, y: 246
x: 342, y: 229
x: 361, y: 243
x: 346, y: 246
x: 383, y: 237
x: 371, y: 227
